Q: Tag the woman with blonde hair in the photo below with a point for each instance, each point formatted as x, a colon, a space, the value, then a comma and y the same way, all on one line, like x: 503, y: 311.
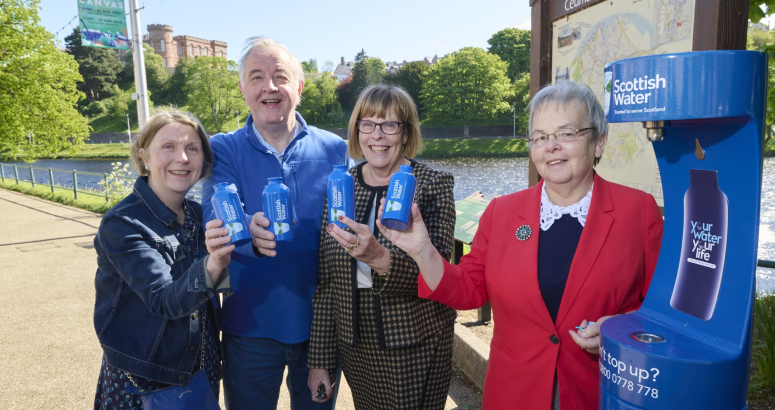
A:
x: 154, y: 311
x: 395, y: 348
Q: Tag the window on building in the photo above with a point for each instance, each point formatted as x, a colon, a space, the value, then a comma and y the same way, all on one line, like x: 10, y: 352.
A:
x: 221, y: 54
x: 163, y: 46
x: 191, y: 50
x: 151, y: 41
x: 207, y: 51
x: 199, y: 50
x: 164, y: 61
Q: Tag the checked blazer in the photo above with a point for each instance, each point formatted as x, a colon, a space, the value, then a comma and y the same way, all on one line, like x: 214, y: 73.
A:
x: 403, y: 319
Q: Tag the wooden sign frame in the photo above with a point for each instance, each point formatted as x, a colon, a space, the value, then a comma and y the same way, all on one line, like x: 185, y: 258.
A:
x: 718, y: 25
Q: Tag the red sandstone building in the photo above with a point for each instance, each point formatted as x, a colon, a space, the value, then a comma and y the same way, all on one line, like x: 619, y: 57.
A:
x: 172, y: 49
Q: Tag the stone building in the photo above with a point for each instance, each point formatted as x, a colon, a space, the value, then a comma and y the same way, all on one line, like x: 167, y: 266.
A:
x: 343, y: 70
x: 172, y: 49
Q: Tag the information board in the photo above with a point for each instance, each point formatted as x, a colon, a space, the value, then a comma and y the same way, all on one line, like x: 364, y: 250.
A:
x: 469, y: 210
x: 103, y: 23
x: 585, y: 41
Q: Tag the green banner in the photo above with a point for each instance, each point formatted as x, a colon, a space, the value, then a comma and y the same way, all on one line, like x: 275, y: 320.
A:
x: 103, y: 23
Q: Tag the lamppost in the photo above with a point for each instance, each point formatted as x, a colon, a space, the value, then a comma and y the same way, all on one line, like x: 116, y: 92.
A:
x: 128, y: 130
x: 514, y: 115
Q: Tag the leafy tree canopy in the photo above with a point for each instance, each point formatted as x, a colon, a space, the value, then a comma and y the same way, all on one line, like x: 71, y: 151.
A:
x: 38, y: 93
x: 343, y: 90
x: 512, y: 45
x: 174, y: 89
x: 467, y: 85
x: 361, y: 55
x: 755, y: 14
x: 366, y: 72
x: 213, y: 91
x: 98, y: 66
x: 410, y: 78
x: 522, y: 99
x: 318, y: 98
x: 155, y: 74
x: 310, y: 66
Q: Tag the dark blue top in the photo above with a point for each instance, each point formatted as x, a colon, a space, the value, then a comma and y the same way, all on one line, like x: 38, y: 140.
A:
x: 556, y: 248
x: 150, y: 287
x: 273, y: 296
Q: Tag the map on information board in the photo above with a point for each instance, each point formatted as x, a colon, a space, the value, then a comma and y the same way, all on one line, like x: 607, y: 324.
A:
x: 469, y: 210
x: 584, y: 42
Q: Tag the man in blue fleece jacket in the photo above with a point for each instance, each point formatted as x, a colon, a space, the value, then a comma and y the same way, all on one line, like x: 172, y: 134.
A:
x: 266, y: 322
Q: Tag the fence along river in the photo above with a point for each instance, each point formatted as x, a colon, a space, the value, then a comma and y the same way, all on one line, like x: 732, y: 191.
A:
x: 491, y: 176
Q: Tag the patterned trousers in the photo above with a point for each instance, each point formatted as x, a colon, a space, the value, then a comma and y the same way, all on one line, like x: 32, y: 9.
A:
x: 416, y: 377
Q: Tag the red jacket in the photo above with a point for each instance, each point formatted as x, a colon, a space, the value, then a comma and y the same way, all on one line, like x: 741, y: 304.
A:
x: 610, y: 274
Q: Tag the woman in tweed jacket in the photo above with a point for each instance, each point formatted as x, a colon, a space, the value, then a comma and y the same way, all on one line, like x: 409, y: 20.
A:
x: 395, y: 348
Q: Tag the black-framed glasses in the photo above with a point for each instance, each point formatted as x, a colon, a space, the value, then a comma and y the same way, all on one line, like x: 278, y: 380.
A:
x: 387, y: 127
x: 540, y: 139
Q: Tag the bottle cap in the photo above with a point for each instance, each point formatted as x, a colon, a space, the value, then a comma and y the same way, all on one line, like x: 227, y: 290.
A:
x: 340, y: 168
x: 405, y: 168
x: 275, y: 180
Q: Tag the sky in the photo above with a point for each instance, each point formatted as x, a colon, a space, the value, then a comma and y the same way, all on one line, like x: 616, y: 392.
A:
x: 394, y: 30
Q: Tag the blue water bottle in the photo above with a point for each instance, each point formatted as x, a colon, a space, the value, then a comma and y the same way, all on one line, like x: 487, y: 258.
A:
x: 399, y: 198
x: 341, y: 195
x: 228, y: 208
x: 277, y: 208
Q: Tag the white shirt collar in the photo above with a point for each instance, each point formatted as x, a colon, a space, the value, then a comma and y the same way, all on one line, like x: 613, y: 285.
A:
x: 551, y: 212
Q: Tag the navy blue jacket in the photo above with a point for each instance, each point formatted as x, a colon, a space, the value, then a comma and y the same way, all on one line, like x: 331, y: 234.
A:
x: 273, y: 296
x: 148, y: 289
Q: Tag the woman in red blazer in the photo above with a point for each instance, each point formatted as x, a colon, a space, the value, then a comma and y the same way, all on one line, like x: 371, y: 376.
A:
x: 571, y: 249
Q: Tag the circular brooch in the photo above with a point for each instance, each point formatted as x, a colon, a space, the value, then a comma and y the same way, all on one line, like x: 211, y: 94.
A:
x: 524, y: 232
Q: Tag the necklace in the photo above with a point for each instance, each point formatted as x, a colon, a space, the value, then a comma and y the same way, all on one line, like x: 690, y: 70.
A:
x: 188, y: 229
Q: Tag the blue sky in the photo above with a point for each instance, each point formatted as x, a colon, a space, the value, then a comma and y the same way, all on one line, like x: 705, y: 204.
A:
x: 327, y: 30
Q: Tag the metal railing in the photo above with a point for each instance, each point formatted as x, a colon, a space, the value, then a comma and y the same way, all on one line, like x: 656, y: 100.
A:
x: 104, y: 191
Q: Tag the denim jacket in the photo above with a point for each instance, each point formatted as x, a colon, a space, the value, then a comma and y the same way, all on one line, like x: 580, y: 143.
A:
x: 149, y: 290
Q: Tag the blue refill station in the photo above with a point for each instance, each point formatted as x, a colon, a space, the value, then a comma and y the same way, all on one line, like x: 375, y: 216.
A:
x: 689, y: 345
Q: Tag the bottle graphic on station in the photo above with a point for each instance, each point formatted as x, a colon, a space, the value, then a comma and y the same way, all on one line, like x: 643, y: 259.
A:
x: 228, y: 208
x: 399, y: 198
x: 703, y: 247
x: 341, y: 195
x: 277, y: 208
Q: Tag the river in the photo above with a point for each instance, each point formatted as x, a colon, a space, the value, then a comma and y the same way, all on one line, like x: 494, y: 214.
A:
x: 491, y: 176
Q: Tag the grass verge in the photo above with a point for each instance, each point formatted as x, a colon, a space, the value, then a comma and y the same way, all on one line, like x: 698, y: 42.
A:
x: 62, y: 195
x: 473, y: 147
x: 90, y: 151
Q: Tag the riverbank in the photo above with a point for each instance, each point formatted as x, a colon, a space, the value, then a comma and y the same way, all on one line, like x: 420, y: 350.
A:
x: 434, y: 148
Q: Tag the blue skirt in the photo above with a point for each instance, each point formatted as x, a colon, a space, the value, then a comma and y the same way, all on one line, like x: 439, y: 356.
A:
x: 112, y: 381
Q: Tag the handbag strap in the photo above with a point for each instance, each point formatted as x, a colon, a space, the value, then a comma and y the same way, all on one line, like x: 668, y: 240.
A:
x: 201, y: 363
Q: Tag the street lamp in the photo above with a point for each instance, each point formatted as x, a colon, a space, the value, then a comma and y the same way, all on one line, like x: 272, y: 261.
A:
x: 514, y: 115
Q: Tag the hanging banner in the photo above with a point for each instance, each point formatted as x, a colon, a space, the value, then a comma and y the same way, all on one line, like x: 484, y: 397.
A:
x: 103, y: 23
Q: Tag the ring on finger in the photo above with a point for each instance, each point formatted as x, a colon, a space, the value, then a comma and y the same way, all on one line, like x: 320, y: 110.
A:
x: 359, y: 241
x: 350, y: 248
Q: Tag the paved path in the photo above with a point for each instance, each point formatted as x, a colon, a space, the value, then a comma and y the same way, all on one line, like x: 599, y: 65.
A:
x: 49, y: 354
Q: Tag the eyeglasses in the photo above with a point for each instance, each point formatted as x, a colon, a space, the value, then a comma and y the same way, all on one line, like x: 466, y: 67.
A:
x: 387, y: 127
x: 540, y: 139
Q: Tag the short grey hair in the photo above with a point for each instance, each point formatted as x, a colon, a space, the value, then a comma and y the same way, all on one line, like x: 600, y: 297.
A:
x: 565, y: 92
x: 262, y: 43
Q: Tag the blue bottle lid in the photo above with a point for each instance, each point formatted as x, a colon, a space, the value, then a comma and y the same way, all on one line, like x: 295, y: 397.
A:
x: 220, y: 185
x: 275, y: 180
x: 340, y: 168
x: 405, y: 168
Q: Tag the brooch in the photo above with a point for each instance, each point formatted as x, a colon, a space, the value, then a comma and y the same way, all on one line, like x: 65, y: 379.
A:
x: 524, y: 232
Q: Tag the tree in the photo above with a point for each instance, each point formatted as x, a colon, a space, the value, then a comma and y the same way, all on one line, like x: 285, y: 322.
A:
x: 213, y: 90
x: 38, y: 87
x: 174, y: 90
x: 343, y: 90
x: 512, y: 45
x: 318, y: 98
x: 522, y: 99
x: 155, y: 74
x: 467, y: 85
x: 98, y: 66
x: 328, y: 67
x: 361, y: 55
x: 365, y: 73
x: 310, y: 66
x: 410, y: 78
x: 761, y: 40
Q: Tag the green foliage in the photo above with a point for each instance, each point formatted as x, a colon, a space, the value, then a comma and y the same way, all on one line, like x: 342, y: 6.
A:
x: 318, y: 98
x: 512, y: 45
x: 361, y: 55
x: 366, y: 72
x: 310, y: 66
x: 174, y: 90
x: 343, y: 91
x: 755, y: 12
x: 98, y: 66
x: 522, y: 99
x: 38, y: 94
x: 410, y: 78
x: 764, y: 345
x: 120, y: 104
x: 213, y: 91
x: 155, y: 74
x: 119, y: 183
x: 61, y: 195
x: 95, y: 108
x: 485, y: 147
x: 466, y: 85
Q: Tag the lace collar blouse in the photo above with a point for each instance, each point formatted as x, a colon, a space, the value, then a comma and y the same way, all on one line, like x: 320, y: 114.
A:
x: 551, y: 212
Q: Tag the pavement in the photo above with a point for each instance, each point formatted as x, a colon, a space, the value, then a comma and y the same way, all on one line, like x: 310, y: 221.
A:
x: 49, y: 353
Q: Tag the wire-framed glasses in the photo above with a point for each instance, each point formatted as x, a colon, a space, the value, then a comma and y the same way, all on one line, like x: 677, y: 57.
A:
x: 387, y: 127
x: 540, y: 139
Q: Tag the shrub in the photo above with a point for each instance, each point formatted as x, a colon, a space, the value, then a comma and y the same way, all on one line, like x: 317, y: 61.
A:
x: 95, y: 108
x: 764, y: 343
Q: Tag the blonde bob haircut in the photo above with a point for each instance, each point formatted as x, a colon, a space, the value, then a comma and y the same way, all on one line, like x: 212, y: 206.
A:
x: 155, y: 123
x: 376, y: 101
